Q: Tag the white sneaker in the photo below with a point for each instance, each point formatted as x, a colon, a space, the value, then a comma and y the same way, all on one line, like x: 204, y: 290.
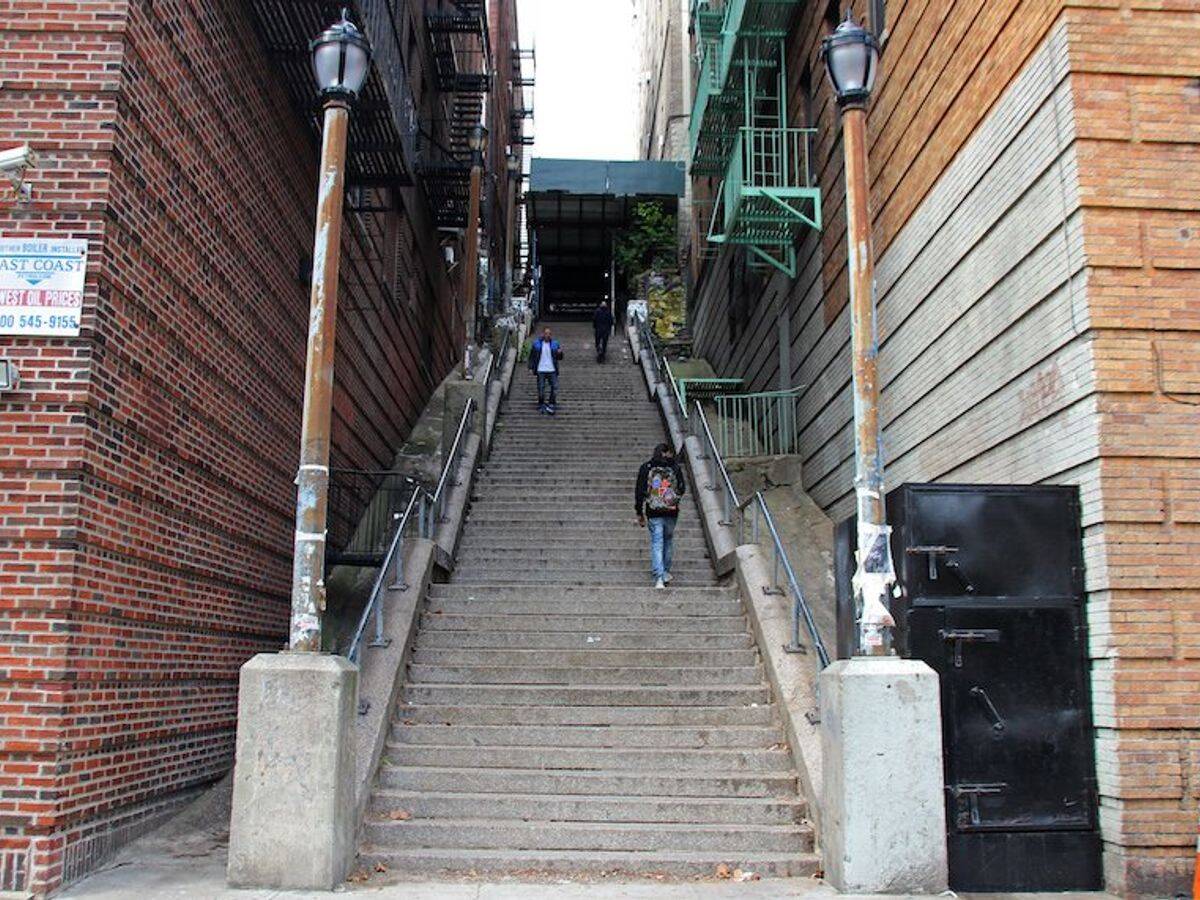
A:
x: 659, y: 586
x: 668, y: 578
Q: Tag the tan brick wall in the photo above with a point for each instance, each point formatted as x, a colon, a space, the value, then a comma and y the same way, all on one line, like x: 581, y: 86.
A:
x: 1134, y: 68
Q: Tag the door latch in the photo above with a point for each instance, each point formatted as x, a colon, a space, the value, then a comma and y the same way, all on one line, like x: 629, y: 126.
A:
x: 962, y: 635
x: 970, y: 815
x: 932, y: 552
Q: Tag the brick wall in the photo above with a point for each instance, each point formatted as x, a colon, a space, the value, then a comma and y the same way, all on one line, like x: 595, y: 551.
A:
x: 146, y: 467
x: 1136, y: 78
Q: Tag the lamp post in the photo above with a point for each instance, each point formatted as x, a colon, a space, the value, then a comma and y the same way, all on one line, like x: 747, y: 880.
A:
x: 341, y: 59
x: 514, y: 176
x: 477, y: 140
x: 852, y: 59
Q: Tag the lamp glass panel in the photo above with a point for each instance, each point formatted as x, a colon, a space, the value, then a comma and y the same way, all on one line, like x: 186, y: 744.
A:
x: 357, y: 65
x: 327, y: 60
x: 848, y: 64
x: 873, y: 70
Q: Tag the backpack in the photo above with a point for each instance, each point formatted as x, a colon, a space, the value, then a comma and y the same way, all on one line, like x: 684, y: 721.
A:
x: 661, y: 493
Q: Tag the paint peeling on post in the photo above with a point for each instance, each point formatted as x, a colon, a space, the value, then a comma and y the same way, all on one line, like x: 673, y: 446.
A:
x: 312, y: 479
x: 875, y: 574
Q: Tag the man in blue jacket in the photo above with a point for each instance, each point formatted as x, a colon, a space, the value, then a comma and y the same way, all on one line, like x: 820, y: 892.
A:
x: 543, y: 362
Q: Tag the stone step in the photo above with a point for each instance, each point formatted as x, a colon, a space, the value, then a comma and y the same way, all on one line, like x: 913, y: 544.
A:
x: 693, y: 572
x: 475, y: 546
x: 728, y: 761
x: 520, y: 591
x: 588, y: 783
x: 582, y: 607
x: 542, y: 641
x: 593, y: 736
x: 584, y: 695
x: 599, y: 808
x: 589, y: 624
x: 588, y: 717
x: 705, y: 716
x: 596, y: 656
x: 551, y: 529
x: 419, y: 673
x: 501, y: 834
x: 566, y: 863
x: 635, y: 577
x: 525, y: 501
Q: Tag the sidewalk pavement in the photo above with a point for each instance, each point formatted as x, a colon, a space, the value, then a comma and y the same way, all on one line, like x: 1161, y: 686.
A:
x: 185, y: 860
x: 151, y: 871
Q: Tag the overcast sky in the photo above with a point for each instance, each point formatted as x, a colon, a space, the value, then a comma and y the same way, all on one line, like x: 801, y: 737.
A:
x: 585, y: 103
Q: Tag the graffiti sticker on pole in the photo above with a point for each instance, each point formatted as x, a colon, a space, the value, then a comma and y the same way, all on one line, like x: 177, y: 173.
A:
x: 41, y: 286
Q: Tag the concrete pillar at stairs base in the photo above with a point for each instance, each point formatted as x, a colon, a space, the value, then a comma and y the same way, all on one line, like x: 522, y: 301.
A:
x: 293, y: 824
x: 883, y: 822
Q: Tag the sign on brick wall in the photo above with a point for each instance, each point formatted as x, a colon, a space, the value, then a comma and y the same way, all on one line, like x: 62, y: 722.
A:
x: 41, y: 286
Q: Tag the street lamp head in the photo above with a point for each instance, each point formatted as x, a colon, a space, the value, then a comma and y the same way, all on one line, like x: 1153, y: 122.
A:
x: 477, y: 138
x: 341, y: 58
x: 514, y: 164
x: 851, y: 59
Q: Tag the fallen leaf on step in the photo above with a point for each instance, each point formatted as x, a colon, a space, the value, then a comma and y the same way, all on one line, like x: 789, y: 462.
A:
x: 358, y: 876
x: 399, y: 815
x: 380, y: 867
x: 739, y: 875
x: 723, y: 871
x: 409, y: 722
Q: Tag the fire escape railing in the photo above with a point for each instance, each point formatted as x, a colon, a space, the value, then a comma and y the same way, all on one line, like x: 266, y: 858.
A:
x: 739, y: 132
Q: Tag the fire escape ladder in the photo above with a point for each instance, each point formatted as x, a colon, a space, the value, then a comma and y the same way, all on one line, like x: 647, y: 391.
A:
x: 462, y: 59
x: 740, y: 133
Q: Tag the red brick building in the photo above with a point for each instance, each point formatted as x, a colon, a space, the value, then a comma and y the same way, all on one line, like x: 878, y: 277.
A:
x: 146, y: 465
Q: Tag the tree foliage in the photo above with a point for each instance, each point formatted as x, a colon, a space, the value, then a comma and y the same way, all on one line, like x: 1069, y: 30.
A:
x: 647, y: 243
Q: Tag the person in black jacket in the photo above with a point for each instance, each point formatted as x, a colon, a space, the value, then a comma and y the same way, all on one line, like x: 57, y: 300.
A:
x: 602, y: 321
x: 656, y: 496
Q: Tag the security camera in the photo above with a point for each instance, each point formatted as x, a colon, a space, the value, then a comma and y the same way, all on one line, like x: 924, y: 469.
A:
x: 15, y: 160
x: 13, y: 163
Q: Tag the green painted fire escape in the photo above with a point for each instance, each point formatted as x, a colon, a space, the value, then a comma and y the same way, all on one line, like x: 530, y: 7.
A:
x: 739, y: 131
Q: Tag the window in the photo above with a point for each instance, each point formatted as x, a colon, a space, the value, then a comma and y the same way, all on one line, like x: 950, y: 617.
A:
x: 833, y: 14
x: 878, y: 23
x: 808, y: 119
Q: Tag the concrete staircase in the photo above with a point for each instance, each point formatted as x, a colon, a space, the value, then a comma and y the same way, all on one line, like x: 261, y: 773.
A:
x: 561, y: 716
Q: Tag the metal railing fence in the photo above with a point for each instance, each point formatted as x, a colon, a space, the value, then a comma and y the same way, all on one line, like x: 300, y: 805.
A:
x: 761, y: 424
x: 362, y: 506
x: 423, y: 511
x: 735, y: 511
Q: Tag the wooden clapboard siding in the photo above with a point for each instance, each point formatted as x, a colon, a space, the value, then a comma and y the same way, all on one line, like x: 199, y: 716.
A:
x: 1035, y: 186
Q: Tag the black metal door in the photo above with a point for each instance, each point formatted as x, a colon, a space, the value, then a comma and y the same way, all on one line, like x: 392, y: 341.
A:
x: 1017, y: 743
x: 992, y: 599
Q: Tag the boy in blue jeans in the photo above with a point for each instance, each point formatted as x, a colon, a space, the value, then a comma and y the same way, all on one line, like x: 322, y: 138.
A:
x: 544, y: 357
x: 656, y: 496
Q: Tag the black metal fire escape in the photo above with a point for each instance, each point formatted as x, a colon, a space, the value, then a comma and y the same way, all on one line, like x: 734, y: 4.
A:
x: 383, y: 129
x: 463, y: 74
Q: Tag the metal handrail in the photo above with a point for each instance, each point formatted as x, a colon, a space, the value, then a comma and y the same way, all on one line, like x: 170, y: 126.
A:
x: 495, y: 363
x: 700, y: 429
x: 670, y: 376
x: 800, y: 609
x: 393, y: 560
x: 430, y: 510
x: 450, y: 465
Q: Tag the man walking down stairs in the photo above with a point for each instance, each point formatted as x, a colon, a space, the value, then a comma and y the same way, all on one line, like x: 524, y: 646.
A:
x: 561, y: 716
